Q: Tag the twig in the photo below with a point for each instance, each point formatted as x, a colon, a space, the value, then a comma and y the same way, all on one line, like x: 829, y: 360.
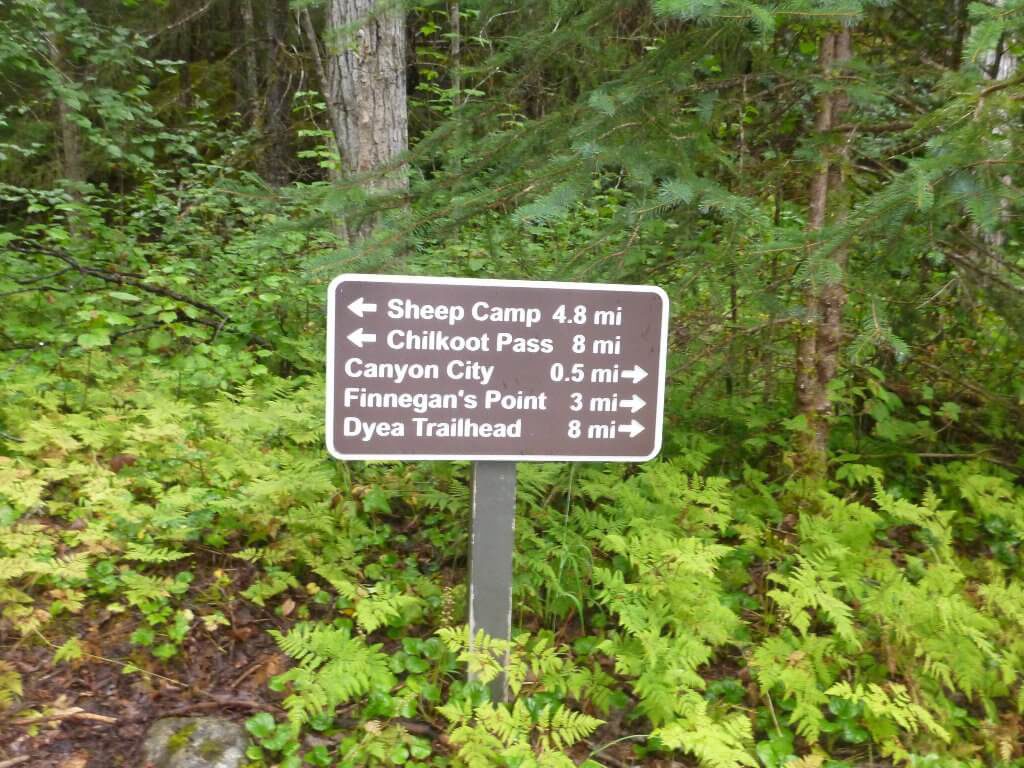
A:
x: 123, y: 278
x: 183, y: 20
x: 136, y: 280
x: 40, y: 278
x: 137, y: 329
x: 75, y: 713
x: 610, y: 758
x: 123, y: 665
x: 983, y: 455
x: 893, y: 127
x: 36, y: 288
x: 238, y: 680
x: 218, y: 703
x: 1001, y: 85
x: 972, y: 386
x: 14, y: 761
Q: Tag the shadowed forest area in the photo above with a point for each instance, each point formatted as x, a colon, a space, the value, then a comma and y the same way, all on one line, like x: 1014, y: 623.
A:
x: 822, y: 568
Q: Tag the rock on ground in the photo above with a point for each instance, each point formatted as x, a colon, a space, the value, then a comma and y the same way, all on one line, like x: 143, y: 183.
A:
x: 195, y: 742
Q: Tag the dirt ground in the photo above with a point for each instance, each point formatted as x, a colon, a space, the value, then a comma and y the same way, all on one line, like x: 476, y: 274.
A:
x: 91, y: 714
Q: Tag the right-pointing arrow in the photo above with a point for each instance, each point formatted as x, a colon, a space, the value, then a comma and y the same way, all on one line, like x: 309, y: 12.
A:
x: 636, y: 374
x: 635, y: 403
x: 358, y: 338
x: 634, y: 428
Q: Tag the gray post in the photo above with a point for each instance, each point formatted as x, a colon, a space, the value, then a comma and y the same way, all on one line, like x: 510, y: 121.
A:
x: 490, y: 556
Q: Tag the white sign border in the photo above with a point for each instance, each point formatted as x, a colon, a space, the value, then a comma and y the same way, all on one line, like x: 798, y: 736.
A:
x: 352, y: 276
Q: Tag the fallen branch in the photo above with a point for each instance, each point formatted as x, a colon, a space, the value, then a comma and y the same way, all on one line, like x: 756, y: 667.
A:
x: 217, y: 703
x: 75, y: 713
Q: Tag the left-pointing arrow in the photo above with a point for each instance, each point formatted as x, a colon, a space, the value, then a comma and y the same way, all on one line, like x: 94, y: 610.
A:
x: 360, y: 307
x: 359, y: 338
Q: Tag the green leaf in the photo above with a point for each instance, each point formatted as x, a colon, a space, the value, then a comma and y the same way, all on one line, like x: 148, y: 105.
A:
x: 71, y: 650
x: 158, y: 339
x: 261, y: 725
x: 144, y: 636
x: 131, y: 297
x: 416, y: 665
x: 165, y: 651
x: 94, y: 339
x: 319, y: 756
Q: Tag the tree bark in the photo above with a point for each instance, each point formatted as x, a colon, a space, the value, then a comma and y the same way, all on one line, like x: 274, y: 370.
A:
x: 820, y: 337
x: 71, y: 167
x: 833, y: 295
x: 250, y: 76
x: 998, y: 65
x: 956, y: 22
x: 366, y: 94
x: 185, y: 67
x: 278, y: 103
x: 455, y: 51
x: 321, y: 71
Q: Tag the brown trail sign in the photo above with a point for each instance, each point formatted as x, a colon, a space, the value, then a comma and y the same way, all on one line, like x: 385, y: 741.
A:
x: 443, y: 368
x: 494, y: 371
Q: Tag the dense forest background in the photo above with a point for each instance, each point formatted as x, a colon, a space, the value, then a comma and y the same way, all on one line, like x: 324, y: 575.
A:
x: 822, y: 569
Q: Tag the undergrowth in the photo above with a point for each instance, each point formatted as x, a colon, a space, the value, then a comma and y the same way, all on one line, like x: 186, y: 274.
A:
x: 691, y: 612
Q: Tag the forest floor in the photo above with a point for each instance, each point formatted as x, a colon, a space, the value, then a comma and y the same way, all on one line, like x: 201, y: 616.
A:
x: 94, y: 713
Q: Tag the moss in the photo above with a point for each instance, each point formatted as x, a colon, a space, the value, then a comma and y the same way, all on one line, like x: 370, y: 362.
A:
x: 211, y: 750
x: 179, y: 740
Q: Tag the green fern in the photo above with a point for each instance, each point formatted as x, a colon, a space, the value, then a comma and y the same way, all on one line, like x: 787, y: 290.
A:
x: 813, y: 585
x: 10, y: 684
x: 146, y: 553
x: 333, y: 667
x: 799, y: 669
x: 889, y: 712
x: 716, y: 741
x: 490, y: 734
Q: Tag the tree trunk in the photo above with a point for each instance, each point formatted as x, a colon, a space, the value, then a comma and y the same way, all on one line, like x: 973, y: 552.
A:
x: 956, y: 26
x: 366, y: 94
x: 250, y: 76
x: 321, y: 71
x: 185, y: 95
x: 820, y: 338
x: 71, y: 168
x: 998, y: 64
x: 278, y: 104
x: 455, y: 51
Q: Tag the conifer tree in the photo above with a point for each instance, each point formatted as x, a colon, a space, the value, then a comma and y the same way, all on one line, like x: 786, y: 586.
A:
x: 819, y: 340
x: 365, y: 85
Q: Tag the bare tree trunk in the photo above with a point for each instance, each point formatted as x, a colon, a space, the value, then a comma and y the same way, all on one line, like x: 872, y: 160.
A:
x: 833, y: 294
x: 184, y: 39
x: 366, y: 92
x: 956, y: 23
x: 250, y: 76
x: 820, y: 338
x: 321, y: 71
x: 998, y: 64
x: 455, y: 51
x: 71, y: 168
x: 280, y: 89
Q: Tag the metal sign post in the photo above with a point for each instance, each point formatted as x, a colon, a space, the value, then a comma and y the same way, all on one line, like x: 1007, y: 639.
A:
x: 494, y: 372
x: 490, y: 557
